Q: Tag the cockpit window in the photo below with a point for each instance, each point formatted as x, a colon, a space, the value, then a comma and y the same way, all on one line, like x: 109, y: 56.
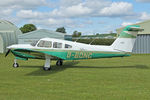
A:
x: 46, y: 44
x: 34, y: 43
x: 57, y: 45
x: 68, y: 46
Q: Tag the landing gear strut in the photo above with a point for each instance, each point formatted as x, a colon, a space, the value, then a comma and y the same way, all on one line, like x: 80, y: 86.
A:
x: 15, y: 65
x: 47, y: 63
x: 59, y: 62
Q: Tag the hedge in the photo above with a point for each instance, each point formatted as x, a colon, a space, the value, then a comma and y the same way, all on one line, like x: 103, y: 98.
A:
x: 96, y: 41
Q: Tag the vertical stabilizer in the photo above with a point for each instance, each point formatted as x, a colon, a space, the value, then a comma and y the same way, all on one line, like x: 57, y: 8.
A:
x: 126, y: 40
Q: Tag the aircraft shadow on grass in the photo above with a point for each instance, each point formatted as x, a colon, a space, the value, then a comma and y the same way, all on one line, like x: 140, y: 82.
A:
x: 73, y: 64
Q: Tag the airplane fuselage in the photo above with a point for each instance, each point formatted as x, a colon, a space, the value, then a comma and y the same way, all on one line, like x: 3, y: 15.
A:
x: 75, y: 52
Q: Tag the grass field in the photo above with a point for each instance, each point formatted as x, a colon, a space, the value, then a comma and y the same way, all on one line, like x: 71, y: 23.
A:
x: 98, y: 79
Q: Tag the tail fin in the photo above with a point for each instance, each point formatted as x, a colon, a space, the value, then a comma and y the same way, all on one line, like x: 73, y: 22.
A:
x: 126, y: 40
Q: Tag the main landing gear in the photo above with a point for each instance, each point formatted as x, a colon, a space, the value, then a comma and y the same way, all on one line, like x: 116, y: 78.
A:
x: 59, y: 62
x: 47, y: 63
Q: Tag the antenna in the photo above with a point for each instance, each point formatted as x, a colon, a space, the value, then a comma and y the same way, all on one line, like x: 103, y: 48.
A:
x: 92, y: 41
x: 78, y: 39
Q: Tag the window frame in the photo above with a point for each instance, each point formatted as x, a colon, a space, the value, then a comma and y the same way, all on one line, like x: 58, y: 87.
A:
x: 70, y: 46
x: 44, y: 46
x: 57, y: 45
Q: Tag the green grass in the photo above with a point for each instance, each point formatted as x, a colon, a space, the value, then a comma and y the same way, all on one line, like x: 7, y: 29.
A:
x: 98, y: 79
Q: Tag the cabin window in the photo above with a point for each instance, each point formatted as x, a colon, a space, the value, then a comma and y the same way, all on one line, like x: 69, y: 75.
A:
x: 46, y: 44
x: 68, y: 46
x: 57, y: 45
x: 41, y: 43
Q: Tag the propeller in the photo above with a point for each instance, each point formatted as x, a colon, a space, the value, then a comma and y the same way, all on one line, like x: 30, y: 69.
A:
x: 7, y: 52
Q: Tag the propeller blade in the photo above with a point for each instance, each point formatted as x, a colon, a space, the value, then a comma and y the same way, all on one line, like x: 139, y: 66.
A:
x: 7, y: 53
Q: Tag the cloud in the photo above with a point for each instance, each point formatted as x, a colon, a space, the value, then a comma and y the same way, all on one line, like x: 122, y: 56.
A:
x: 96, y: 4
x: 88, y: 22
x: 144, y: 16
x: 45, y: 19
x: 144, y: 1
x: 24, y: 4
x: 140, y: 18
x: 99, y: 8
x: 10, y: 9
x: 54, y: 22
x: 117, y: 9
x: 6, y: 12
x: 29, y: 14
x: 71, y: 11
x: 66, y: 3
x: 126, y: 23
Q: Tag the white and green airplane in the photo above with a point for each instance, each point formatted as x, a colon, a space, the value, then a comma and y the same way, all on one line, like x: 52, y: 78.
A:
x: 50, y: 49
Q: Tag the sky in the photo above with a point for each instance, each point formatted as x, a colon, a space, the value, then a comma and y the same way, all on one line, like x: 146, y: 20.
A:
x: 86, y: 16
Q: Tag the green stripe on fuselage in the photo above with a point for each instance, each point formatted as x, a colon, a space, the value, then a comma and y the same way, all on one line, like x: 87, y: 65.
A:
x: 67, y: 54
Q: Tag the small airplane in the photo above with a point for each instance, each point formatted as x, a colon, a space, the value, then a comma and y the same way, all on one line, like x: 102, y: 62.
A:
x: 56, y: 49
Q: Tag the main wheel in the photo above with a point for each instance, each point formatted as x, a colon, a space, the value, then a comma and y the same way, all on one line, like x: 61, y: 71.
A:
x: 59, y: 63
x: 46, y: 68
x: 15, y: 65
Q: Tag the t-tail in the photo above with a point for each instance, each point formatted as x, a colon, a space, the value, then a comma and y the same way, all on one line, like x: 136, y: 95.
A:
x: 126, y: 40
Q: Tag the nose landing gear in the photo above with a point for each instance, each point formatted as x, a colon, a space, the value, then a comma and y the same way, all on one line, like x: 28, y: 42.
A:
x: 15, y: 65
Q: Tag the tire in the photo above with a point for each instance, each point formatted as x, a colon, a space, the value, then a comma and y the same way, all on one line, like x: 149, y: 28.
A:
x: 15, y: 65
x: 46, y: 68
x: 59, y: 63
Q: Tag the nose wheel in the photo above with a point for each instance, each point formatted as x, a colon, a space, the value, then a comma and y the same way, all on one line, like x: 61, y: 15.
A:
x: 15, y: 65
x: 59, y: 63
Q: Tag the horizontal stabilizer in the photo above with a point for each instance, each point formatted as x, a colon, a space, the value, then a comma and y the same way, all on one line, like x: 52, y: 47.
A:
x: 125, y: 41
x: 135, y: 29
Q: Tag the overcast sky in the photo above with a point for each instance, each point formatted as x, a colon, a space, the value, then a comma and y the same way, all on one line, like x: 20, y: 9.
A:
x: 87, y: 16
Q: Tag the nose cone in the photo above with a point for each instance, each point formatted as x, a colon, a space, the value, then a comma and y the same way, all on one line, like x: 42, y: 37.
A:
x: 13, y: 46
x: 10, y: 47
